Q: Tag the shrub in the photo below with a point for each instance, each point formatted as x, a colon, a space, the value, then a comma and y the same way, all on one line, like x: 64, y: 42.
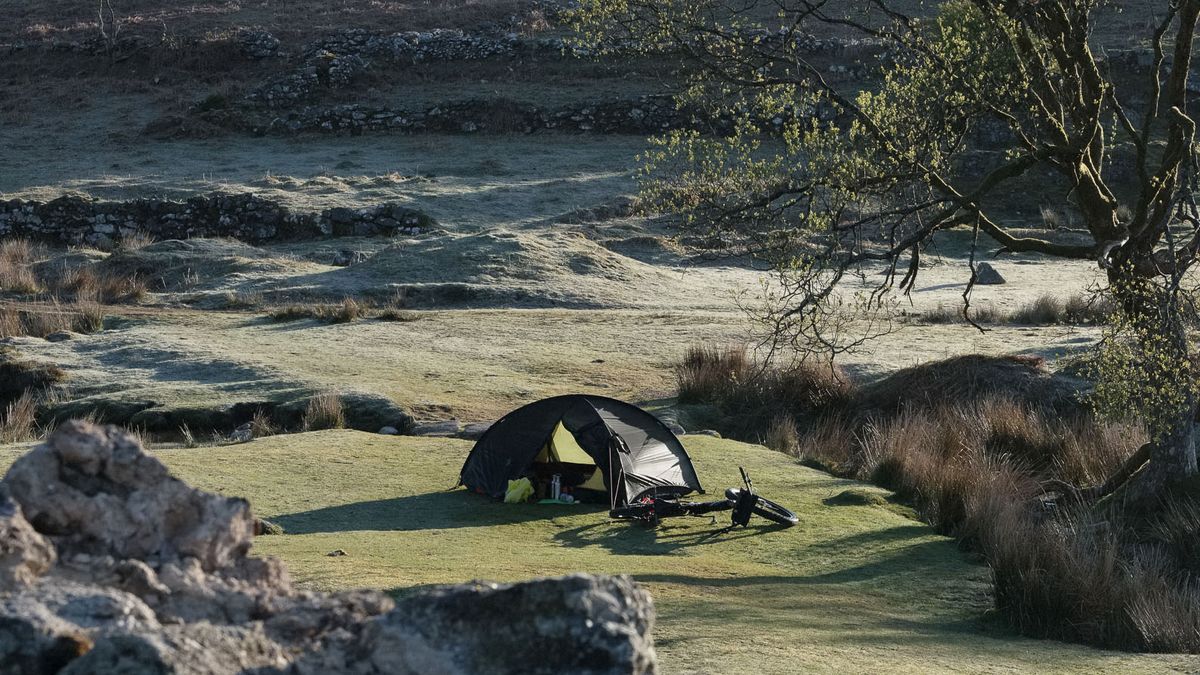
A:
x: 707, y: 372
x: 16, y: 275
x: 972, y: 443
x: 134, y: 241
x: 982, y: 313
x: 1088, y: 309
x: 346, y: 312
x: 86, y: 284
x: 349, y: 310
x: 187, y: 437
x: 781, y: 436
x: 42, y: 320
x: 261, y: 424
x: 749, y: 396
x: 1044, y: 311
x: 324, y: 411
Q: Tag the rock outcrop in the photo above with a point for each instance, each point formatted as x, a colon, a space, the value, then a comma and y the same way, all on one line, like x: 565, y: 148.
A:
x: 110, y: 564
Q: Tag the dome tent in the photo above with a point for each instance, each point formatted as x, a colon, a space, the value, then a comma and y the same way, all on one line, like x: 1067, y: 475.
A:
x: 594, y: 442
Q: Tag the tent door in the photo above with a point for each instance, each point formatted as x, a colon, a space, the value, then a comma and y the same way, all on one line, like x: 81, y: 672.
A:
x: 562, y: 454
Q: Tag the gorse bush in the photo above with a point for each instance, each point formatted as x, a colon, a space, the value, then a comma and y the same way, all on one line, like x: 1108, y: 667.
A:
x: 972, y: 444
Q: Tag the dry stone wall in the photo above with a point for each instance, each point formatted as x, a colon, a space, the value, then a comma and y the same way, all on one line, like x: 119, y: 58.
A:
x: 247, y: 217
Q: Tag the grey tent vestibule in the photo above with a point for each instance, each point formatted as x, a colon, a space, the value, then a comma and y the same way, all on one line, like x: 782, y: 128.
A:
x: 592, y: 442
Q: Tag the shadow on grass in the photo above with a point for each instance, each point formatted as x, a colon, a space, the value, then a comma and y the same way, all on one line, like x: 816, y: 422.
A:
x: 431, y: 511
x: 623, y: 538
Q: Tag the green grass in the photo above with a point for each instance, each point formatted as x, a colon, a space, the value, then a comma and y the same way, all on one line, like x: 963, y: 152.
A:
x: 855, y: 587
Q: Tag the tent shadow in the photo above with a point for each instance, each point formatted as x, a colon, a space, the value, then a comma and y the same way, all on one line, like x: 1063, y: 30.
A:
x: 430, y: 511
x: 623, y: 538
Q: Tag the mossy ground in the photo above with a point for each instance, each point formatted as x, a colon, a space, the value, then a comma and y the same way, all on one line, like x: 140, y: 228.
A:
x: 856, y: 587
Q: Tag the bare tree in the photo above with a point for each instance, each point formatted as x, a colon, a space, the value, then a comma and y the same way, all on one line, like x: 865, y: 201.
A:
x: 848, y: 181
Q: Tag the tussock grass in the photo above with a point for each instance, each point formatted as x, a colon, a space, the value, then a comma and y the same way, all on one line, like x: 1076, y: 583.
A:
x: 134, y: 241
x: 16, y: 276
x: 324, y: 411
x: 349, y: 310
x: 261, y: 424
x: 980, y: 313
x: 751, y: 397
x: 971, y: 442
x: 86, y: 284
x: 1045, y: 310
x: 19, y: 420
x: 42, y: 320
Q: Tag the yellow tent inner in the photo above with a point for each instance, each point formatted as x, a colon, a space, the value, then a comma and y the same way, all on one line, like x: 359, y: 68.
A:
x: 564, y: 449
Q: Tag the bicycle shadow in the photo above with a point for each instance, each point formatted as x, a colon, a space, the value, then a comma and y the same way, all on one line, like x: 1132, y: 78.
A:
x: 625, y: 538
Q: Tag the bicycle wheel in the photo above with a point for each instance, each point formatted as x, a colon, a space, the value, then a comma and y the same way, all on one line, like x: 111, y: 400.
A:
x: 642, y: 512
x: 772, y: 511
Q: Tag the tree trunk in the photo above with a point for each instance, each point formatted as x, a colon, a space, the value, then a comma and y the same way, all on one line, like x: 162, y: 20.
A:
x: 1145, y: 482
x: 1172, y: 461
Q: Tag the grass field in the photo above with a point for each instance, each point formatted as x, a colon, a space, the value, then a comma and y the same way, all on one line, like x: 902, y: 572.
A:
x: 851, y: 588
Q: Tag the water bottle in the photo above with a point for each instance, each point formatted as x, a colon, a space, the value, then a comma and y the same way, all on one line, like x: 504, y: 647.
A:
x: 555, y: 486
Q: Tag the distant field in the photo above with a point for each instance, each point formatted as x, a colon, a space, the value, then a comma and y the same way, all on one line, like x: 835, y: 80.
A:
x: 850, y: 589
x: 296, y: 20
x: 288, y: 19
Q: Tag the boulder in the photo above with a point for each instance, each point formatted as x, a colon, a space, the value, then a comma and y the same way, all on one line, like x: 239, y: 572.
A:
x: 87, y: 470
x: 24, y: 553
x: 580, y: 624
x: 987, y: 275
x: 446, y: 428
x: 475, y: 430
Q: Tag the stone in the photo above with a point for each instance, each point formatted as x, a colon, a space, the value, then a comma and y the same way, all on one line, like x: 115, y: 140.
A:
x: 446, y: 428
x: 264, y: 527
x: 61, y: 336
x: 258, y: 44
x: 24, y: 553
x: 474, y: 431
x: 199, y: 649
x: 580, y: 623
x: 83, y: 470
x: 987, y: 275
x: 389, y: 431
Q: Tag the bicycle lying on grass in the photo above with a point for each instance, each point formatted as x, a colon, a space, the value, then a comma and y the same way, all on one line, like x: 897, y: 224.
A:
x: 650, y: 510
